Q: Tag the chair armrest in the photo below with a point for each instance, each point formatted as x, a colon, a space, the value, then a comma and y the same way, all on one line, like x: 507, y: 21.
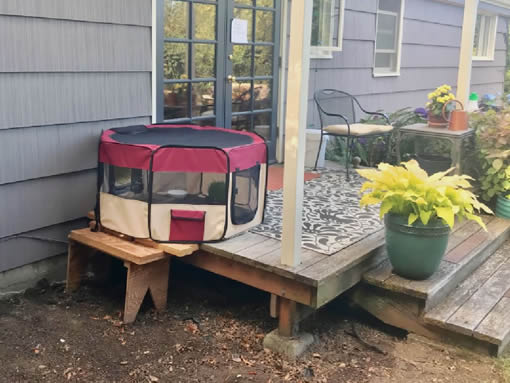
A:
x: 339, y: 116
x: 383, y: 115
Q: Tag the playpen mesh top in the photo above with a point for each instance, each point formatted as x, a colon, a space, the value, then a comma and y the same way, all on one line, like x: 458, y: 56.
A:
x: 182, y: 148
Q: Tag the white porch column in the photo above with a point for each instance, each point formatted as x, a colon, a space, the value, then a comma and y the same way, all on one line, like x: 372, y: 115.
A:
x: 466, y: 50
x: 295, y: 125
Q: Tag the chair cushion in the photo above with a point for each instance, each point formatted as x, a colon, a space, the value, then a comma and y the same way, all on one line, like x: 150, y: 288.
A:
x: 358, y: 129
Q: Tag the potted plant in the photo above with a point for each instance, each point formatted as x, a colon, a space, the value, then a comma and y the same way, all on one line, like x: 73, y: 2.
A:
x: 438, y: 99
x: 419, y: 212
x: 493, y: 141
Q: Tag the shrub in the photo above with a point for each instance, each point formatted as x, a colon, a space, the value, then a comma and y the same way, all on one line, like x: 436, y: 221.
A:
x: 408, y: 191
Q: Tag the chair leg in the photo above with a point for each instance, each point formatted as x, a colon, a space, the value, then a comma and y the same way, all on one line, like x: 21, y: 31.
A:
x: 318, y: 153
x: 388, y: 148
x: 348, y: 153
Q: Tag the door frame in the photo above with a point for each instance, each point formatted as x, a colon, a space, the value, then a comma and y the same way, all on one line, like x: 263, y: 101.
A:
x: 223, y: 65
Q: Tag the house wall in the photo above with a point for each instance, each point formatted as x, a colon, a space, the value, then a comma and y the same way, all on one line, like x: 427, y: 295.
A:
x: 68, y: 69
x: 430, y: 57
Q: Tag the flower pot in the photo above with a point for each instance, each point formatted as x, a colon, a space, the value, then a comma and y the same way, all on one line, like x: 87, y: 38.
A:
x: 415, y: 251
x: 433, y: 163
x: 503, y: 207
x: 437, y: 121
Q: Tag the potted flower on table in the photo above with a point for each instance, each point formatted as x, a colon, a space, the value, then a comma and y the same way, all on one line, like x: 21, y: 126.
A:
x: 419, y: 212
x: 438, y: 99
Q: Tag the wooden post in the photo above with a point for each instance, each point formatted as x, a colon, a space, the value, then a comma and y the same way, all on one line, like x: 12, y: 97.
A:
x: 295, y: 134
x: 288, y: 320
x: 466, y: 50
x: 77, y: 261
x: 274, y: 306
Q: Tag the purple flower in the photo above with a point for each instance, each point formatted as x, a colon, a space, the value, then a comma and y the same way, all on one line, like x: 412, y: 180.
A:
x: 422, y: 112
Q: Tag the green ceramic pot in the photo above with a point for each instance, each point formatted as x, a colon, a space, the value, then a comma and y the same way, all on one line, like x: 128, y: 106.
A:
x: 415, y: 251
x: 503, y: 207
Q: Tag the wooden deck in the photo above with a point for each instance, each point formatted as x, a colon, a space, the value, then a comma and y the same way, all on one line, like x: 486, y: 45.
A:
x: 480, y: 306
x: 466, y: 302
x: 323, y: 277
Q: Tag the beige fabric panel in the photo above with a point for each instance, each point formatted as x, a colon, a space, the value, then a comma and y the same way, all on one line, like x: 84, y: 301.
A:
x: 214, y: 220
x: 126, y: 216
x: 236, y: 229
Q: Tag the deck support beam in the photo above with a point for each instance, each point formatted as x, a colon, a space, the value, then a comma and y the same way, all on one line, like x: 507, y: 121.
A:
x: 295, y: 126
x: 466, y: 50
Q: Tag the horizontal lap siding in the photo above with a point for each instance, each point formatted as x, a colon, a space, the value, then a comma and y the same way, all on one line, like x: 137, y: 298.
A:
x: 430, y: 57
x: 37, y: 152
x: 129, y: 12
x: 68, y: 69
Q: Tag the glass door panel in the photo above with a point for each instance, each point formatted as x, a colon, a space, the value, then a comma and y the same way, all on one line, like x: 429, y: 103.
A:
x: 252, y: 71
x: 190, y: 56
x: 209, y: 79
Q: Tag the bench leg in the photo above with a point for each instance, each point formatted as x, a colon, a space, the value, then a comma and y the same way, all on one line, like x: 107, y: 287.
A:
x: 152, y: 277
x: 77, y: 261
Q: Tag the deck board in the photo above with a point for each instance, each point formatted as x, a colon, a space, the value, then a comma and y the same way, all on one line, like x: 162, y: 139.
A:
x: 450, y: 274
x: 308, y: 258
x: 442, y: 312
x: 474, y: 310
x: 345, y: 258
x: 238, y: 243
x: 496, y: 325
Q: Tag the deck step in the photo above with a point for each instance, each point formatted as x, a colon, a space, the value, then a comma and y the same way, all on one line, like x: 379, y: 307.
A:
x: 480, y: 306
x: 469, y: 246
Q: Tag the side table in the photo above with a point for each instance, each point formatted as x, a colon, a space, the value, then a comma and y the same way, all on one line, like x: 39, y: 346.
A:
x: 456, y: 137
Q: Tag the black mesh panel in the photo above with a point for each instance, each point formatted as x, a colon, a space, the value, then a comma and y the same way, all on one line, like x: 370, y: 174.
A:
x: 189, y: 188
x: 126, y: 182
x: 245, y: 195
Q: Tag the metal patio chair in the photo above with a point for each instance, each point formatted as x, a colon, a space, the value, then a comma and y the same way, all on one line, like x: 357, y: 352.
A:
x: 337, y: 113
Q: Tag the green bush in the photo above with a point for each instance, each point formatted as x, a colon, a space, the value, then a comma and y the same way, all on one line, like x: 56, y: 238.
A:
x: 493, y: 144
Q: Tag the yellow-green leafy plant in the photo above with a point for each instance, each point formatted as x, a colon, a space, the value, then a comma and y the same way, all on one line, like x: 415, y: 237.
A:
x: 438, y: 98
x: 408, y: 191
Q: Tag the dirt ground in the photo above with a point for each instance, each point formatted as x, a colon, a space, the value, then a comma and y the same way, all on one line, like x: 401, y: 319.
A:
x: 212, y: 332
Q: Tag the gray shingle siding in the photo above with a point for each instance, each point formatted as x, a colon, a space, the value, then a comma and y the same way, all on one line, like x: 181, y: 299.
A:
x: 68, y: 69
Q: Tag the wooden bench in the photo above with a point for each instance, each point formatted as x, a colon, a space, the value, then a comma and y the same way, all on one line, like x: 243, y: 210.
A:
x: 147, y: 263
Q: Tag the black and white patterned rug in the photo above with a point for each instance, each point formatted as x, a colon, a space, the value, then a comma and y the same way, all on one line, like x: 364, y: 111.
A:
x: 332, y: 217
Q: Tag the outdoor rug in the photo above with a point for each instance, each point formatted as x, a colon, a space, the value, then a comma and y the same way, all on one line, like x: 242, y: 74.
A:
x: 275, y: 177
x: 332, y: 217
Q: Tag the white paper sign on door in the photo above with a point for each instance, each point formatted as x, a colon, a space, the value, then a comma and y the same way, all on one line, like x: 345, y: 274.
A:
x: 239, y: 31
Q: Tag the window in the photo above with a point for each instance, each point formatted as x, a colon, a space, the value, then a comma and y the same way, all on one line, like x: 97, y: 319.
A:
x: 485, y: 37
x: 388, y: 37
x: 327, y: 22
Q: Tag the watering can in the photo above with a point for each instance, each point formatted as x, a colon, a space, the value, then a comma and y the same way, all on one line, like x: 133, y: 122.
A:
x: 458, y: 118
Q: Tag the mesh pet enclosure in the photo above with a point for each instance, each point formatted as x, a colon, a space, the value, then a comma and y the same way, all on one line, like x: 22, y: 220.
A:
x: 181, y: 183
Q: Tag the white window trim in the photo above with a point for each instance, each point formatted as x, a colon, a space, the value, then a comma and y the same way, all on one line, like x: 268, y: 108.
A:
x: 491, y: 43
x: 317, y: 52
x: 378, y: 72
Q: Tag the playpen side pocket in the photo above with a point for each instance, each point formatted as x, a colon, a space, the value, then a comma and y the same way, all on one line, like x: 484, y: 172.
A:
x: 187, y: 225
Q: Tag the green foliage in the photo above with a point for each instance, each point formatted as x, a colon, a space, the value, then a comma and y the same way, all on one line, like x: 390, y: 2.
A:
x: 493, y: 142
x: 217, y: 191
x: 408, y: 191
